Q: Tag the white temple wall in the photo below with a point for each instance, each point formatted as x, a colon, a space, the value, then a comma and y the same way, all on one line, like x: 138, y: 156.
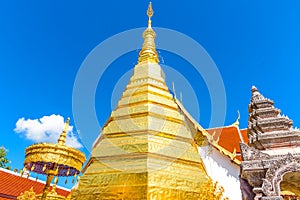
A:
x: 221, y: 169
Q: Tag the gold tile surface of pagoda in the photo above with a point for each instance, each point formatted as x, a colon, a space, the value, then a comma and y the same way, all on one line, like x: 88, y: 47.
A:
x: 145, y: 149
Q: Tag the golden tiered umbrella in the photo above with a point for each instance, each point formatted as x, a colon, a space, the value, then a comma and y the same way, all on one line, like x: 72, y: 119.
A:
x: 54, y: 160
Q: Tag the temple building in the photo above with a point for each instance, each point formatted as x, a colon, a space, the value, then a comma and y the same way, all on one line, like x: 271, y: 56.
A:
x: 271, y: 160
x: 152, y: 148
x: 220, y: 152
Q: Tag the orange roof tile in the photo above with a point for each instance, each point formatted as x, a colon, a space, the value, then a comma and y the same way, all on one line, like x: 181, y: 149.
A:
x: 13, y: 184
x: 229, y: 138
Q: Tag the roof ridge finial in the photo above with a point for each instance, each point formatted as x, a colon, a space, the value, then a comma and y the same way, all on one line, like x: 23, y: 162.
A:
x: 62, y: 138
x: 148, y: 52
x: 237, y: 121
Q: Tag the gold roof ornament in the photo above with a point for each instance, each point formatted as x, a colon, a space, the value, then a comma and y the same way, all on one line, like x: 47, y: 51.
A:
x: 150, y: 13
x: 237, y: 122
x: 62, y: 138
x: 148, y: 52
x: 27, y: 195
x: 54, y: 160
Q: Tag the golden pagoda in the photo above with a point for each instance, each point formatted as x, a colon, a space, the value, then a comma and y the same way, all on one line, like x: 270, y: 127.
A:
x: 145, y: 149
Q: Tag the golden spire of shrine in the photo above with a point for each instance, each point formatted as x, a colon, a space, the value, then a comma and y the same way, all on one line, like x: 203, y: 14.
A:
x: 145, y: 143
x: 62, y: 138
x: 148, y: 52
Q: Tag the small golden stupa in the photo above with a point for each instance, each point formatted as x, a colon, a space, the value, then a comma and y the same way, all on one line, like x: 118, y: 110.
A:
x: 53, y: 160
x: 145, y: 150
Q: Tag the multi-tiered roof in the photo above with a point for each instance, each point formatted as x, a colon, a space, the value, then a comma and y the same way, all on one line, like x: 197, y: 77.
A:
x: 267, y: 128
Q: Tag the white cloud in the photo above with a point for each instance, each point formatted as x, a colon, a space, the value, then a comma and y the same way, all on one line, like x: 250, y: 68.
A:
x: 46, y: 129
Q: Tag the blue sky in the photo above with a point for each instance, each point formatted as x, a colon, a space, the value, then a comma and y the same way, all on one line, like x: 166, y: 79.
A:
x: 43, y: 44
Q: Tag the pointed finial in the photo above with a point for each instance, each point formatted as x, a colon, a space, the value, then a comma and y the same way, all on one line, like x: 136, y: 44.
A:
x: 150, y: 13
x: 254, y: 89
x: 256, y: 95
x: 62, y: 138
x: 148, y: 52
x: 237, y: 122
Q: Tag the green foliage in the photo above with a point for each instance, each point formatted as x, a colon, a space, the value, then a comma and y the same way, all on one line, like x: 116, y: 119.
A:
x: 3, y: 160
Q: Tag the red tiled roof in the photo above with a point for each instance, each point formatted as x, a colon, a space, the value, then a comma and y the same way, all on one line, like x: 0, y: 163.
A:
x: 12, y: 185
x: 229, y: 138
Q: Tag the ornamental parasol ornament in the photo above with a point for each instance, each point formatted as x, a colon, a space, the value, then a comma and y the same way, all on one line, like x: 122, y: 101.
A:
x: 54, y: 160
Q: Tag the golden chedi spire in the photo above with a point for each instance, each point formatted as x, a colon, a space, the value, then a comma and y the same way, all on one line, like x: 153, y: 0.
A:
x: 145, y: 149
x: 148, y: 52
